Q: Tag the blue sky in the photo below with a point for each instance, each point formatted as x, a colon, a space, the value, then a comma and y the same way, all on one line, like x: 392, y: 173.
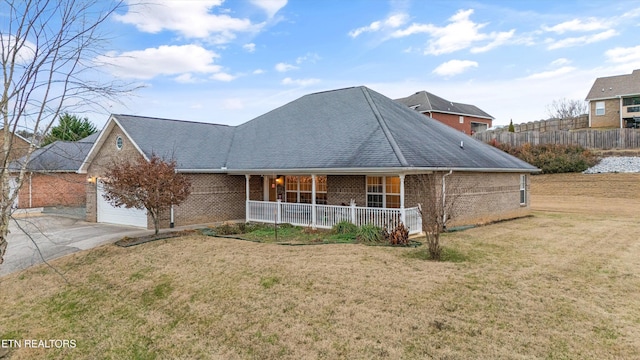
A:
x: 230, y: 61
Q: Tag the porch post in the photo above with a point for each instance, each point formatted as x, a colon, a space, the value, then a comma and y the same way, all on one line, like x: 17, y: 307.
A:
x: 246, y: 218
x: 403, y: 214
x: 313, y: 201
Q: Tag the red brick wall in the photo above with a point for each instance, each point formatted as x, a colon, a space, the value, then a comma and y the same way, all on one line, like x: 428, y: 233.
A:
x: 478, y: 197
x: 52, y: 189
x: 454, y: 121
x: 342, y: 188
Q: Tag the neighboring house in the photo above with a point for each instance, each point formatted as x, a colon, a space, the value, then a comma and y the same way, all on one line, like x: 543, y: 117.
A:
x: 464, y: 117
x: 614, y: 101
x: 19, y: 146
x: 357, y: 157
x: 52, y: 177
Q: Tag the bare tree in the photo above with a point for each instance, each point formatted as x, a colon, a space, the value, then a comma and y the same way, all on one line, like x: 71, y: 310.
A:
x: 566, y: 109
x: 437, y: 195
x: 153, y: 185
x: 47, y: 49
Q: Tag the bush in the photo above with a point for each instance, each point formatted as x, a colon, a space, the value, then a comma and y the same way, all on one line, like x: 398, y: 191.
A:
x: 370, y: 234
x: 344, y: 227
x: 552, y: 158
x: 398, y: 236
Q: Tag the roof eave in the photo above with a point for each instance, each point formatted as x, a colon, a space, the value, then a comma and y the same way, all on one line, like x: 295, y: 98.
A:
x: 459, y: 113
x: 368, y: 171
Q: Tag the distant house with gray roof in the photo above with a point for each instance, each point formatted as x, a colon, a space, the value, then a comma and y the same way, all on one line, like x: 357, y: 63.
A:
x: 52, y: 177
x: 614, y: 101
x: 357, y: 157
x: 467, y: 118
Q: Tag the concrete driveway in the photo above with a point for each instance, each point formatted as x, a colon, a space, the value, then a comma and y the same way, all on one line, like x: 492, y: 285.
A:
x: 56, y: 236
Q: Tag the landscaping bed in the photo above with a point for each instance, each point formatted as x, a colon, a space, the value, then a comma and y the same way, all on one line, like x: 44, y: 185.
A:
x: 286, y: 234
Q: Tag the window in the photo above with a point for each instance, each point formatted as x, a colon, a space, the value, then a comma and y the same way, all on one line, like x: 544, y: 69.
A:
x: 383, y: 192
x: 299, y: 189
x: 119, y: 142
x: 461, y: 119
x: 523, y: 189
x: 600, y: 108
x: 631, y: 101
x: 633, y: 109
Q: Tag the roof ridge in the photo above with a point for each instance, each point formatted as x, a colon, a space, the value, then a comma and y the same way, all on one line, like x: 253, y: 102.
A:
x: 385, y: 128
x: 175, y: 120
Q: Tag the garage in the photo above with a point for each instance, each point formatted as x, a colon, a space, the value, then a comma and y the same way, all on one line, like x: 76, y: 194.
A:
x: 119, y: 215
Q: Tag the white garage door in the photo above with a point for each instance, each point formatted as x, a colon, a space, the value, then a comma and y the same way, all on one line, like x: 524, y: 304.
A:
x: 119, y: 215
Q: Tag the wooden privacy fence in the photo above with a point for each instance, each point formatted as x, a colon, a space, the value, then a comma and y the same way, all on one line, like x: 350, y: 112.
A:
x: 587, y: 138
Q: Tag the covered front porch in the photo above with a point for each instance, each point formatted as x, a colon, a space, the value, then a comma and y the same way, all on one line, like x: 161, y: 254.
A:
x: 301, y: 200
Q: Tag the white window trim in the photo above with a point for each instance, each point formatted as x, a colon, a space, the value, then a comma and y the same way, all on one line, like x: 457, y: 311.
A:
x: 600, y: 108
x: 297, y: 190
x: 384, y: 192
x: 523, y: 189
x: 119, y: 142
x: 461, y: 119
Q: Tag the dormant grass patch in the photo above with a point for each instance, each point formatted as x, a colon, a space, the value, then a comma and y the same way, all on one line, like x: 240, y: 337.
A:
x: 556, y: 285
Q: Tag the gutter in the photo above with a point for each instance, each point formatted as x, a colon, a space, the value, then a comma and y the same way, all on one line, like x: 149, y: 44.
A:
x: 366, y: 171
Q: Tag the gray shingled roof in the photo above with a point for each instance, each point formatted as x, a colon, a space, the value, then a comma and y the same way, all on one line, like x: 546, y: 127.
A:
x: 357, y: 128
x: 423, y: 101
x: 193, y: 145
x: 59, y: 156
x: 353, y: 128
x: 614, y: 86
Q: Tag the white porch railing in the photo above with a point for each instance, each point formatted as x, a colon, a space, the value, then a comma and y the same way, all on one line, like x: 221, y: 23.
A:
x: 329, y: 215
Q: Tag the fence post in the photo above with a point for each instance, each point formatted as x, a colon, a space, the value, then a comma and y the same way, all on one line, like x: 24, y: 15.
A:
x: 279, y: 211
x: 353, y: 212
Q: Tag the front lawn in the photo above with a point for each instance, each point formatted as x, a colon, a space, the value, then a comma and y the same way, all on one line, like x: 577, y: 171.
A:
x: 556, y: 286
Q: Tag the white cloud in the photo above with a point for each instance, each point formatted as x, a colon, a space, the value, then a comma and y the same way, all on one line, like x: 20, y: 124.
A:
x: 460, y: 33
x: 590, y: 24
x: 192, y: 19
x: 25, y: 52
x: 258, y: 71
x: 164, y: 60
x: 499, y: 39
x: 299, y: 82
x: 582, y: 40
x: 560, y: 62
x: 454, y: 67
x: 222, y: 76
x: 629, y: 57
x: 284, y: 67
x: 271, y: 7
x: 186, y: 78
x: 251, y: 47
x: 308, y: 57
x: 391, y: 22
x: 551, y: 74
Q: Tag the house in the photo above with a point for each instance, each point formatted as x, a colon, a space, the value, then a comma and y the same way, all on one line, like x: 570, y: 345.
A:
x: 614, y: 101
x: 52, y: 177
x: 358, y: 156
x: 19, y: 146
x: 464, y: 117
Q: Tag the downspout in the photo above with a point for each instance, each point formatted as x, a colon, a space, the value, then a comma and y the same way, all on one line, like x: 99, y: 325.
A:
x: 30, y: 188
x: 171, y: 220
x: 444, y: 199
x: 620, y: 111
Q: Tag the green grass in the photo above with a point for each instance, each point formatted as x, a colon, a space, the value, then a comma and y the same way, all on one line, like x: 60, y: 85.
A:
x: 288, y: 234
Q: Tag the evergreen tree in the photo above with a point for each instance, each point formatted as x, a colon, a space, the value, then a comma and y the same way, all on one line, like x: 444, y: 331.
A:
x: 70, y: 128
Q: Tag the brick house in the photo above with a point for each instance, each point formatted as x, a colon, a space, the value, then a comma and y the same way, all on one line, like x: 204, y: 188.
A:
x: 464, y: 117
x: 614, y: 101
x: 52, y: 177
x: 357, y: 156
